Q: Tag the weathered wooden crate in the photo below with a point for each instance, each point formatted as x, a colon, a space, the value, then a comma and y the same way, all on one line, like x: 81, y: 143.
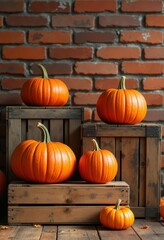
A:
x: 63, y: 203
x: 137, y: 149
x: 63, y: 123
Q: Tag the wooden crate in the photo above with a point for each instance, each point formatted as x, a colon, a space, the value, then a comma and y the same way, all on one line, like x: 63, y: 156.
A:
x: 137, y: 149
x: 63, y: 123
x: 63, y: 203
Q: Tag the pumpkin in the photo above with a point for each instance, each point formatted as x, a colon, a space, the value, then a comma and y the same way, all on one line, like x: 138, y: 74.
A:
x: 44, y: 91
x: 98, y: 165
x: 162, y: 207
x: 116, y: 217
x: 125, y: 106
x: 2, y: 184
x: 43, y: 161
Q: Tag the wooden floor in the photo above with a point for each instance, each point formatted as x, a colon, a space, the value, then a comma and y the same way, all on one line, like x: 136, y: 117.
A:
x: 142, y: 229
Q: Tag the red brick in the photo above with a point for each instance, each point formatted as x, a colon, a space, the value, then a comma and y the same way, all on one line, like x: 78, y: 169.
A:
x: 119, y: 21
x: 9, y: 6
x: 136, y: 36
x: 143, y: 67
x: 95, y: 68
x: 87, y: 114
x: 12, y: 68
x: 154, y: 53
x: 76, y: 21
x: 141, y: 6
x: 1, y: 21
x: 26, y: 21
x: 153, y: 83
x: 94, y: 6
x: 162, y: 161
x: 105, y: 83
x: 119, y: 52
x: 162, y: 146
x: 95, y: 116
x: 94, y: 37
x: 53, y: 69
x: 154, y: 20
x: 85, y: 98
x: 12, y: 83
x: 71, y: 53
x: 163, y: 131
x: 154, y: 115
x: 12, y: 37
x: 24, y: 52
x: 49, y: 36
x: 49, y: 7
x: 10, y: 99
x: 154, y: 99
x: 77, y: 83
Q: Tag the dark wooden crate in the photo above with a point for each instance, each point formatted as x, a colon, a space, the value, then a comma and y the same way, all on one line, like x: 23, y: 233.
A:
x: 63, y: 123
x: 62, y: 203
x: 137, y: 149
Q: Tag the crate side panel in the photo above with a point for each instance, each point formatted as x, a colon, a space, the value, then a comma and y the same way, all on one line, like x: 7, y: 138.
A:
x: 69, y: 194
x: 44, y: 112
x: 142, y: 172
x: 13, y: 139
x: 152, y: 174
x: 54, y: 214
x: 130, y: 166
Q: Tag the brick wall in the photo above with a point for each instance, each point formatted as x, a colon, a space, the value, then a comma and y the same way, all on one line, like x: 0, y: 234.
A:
x: 88, y: 44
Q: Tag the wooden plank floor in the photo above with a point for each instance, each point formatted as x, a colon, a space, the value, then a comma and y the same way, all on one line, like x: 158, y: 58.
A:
x: 141, y: 230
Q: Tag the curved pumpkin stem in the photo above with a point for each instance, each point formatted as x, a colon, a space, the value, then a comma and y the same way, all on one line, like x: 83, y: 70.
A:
x: 46, y: 135
x: 117, y: 206
x: 44, y: 72
x: 95, y: 145
x: 122, y: 83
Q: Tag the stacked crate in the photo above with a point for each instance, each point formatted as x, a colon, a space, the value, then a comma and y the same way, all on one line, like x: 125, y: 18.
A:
x: 137, y: 150
x: 70, y: 202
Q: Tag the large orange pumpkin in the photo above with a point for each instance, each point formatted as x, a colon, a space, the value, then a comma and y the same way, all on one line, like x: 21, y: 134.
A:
x: 116, y: 217
x: 2, y: 184
x: 121, y: 105
x: 162, y: 207
x: 98, y: 165
x: 43, y: 162
x: 44, y: 91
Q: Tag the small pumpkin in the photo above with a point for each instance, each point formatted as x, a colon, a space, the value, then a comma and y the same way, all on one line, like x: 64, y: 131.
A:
x: 44, y: 91
x: 125, y: 106
x: 43, y: 161
x: 162, y: 207
x: 2, y: 184
x: 98, y: 165
x: 116, y: 217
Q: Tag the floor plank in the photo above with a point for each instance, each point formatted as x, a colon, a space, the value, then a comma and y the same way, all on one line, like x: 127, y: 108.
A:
x: 49, y: 233
x: 9, y: 233
x: 28, y: 233
x: 128, y: 234
x: 77, y: 233
x: 149, y: 230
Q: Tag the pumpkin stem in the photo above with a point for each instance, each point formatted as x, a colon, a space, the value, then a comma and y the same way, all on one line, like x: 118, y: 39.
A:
x: 117, y: 206
x: 95, y: 145
x: 44, y: 72
x: 46, y: 135
x: 122, y: 83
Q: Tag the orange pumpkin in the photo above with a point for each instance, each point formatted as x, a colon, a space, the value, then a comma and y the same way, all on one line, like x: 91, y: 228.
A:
x: 98, y: 165
x: 44, y: 91
x: 43, y: 162
x: 116, y: 217
x: 121, y: 105
x: 162, y: 207
x: 2, y: 184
